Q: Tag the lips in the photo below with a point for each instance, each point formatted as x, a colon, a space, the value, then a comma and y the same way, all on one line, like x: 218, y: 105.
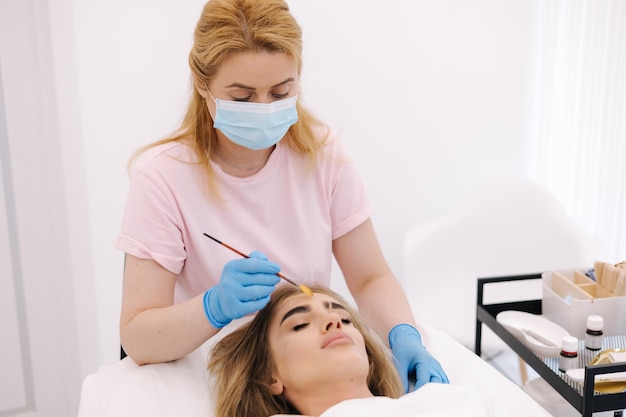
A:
x: 336, y: 337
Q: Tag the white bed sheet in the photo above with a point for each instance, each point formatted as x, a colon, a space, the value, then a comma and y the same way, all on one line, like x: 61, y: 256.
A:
x: 182, y: 388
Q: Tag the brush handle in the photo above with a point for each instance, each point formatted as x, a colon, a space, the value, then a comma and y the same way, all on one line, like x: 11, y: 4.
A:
x: 246, y: 256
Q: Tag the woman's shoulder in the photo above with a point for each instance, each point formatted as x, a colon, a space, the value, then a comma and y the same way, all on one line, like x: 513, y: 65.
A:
x: 160, y: 155
x: 331, y: 144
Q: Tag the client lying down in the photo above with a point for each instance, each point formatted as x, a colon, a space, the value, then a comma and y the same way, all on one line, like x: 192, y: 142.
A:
x: 314, y: 356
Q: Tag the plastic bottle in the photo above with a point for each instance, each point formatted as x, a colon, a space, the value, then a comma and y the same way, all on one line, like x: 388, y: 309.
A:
x: 568, y: 358
x: 595, y: 332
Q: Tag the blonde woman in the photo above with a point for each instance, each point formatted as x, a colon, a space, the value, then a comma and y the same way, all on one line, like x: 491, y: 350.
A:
x: 301, y: 354
x: 249, y: 165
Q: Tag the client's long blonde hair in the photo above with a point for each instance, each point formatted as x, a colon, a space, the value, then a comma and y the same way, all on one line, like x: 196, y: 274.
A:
x: 242, y: 363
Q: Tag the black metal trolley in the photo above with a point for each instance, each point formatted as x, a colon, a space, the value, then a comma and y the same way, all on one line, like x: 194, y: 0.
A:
x: 584, y: 399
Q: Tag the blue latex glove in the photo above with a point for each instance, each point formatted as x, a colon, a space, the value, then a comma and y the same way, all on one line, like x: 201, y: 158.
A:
x: 413, y: 361
x: 244, y: 288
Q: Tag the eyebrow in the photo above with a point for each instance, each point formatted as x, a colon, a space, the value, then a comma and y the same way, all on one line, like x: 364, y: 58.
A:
x: 247, y: 87
x: 305, y: 309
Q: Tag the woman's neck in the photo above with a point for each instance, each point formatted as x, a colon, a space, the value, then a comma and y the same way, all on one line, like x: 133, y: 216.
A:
x: 317, y: 401
x: 240, y: 162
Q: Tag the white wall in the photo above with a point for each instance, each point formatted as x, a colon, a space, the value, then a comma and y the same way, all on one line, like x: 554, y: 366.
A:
x: 430, y: 96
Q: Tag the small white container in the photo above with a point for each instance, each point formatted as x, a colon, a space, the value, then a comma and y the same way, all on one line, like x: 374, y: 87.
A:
x: 568, y: 358
x: 595, y: 332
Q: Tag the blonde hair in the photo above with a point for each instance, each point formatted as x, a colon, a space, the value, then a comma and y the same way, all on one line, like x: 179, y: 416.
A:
x: 228, y: 27
x: 242, y: 363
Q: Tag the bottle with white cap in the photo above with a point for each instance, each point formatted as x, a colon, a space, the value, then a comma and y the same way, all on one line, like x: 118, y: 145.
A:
x: 595, y: 332
x: 568, y: 358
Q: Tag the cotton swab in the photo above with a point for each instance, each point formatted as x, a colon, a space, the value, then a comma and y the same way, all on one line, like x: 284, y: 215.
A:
x: 302, y: 287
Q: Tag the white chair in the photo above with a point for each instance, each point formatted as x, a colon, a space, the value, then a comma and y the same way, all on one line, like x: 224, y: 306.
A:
x: 500, y: 230
x: 506, y: 229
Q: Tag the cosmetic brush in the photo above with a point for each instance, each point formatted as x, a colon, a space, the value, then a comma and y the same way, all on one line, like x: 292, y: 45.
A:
x: 302, y: 287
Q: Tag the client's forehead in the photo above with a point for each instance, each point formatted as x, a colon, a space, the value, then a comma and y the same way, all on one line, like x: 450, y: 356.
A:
x: 302, y: 298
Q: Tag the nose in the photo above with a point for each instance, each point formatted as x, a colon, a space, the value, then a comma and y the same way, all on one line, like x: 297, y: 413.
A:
x: 333, y: 321
x: 265, y: 99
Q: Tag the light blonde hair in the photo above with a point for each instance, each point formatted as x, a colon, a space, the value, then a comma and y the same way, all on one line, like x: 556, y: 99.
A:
x: 229, y: 27
x: 242, y: 363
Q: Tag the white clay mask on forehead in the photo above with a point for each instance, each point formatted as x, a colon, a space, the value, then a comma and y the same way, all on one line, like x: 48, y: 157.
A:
x: 255, y: 125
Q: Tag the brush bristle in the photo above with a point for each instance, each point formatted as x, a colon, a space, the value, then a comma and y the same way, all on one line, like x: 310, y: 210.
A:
x: 306, y: 290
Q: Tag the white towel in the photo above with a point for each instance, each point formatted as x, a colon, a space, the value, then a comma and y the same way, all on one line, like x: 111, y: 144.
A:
x: 435, y: 400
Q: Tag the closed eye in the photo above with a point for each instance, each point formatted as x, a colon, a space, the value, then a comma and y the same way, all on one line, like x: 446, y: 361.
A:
x: 347, y: 321
x: 300, y: 326
x: 249, y: 97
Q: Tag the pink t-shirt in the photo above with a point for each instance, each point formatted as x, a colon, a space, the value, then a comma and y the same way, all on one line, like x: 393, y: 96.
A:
x: 286, y: 210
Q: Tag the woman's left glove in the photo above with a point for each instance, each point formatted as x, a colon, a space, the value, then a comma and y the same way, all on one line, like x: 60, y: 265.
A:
x: 413, y: 361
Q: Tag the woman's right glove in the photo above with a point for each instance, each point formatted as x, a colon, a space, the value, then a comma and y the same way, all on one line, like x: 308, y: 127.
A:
x: 244, y: 288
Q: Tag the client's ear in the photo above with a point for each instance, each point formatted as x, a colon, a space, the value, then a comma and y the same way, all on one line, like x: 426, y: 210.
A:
x: 276, y: 387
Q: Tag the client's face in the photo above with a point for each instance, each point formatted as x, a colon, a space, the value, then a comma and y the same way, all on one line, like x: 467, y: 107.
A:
x: 315, y: 347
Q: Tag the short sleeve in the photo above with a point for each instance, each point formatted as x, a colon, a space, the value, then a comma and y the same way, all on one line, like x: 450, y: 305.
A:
x: 351, y: 204
x: 151, y: 223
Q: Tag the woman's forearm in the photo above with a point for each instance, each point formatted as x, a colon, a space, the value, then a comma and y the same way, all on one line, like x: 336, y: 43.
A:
x: 166, y: 333
x: 377, y: 292
x: 383, y: 303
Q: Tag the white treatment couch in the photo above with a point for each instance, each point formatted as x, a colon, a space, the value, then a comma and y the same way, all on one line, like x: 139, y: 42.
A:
x: 182, y: 387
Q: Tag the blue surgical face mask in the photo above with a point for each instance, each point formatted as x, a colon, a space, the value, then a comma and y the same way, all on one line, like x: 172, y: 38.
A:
x: 255, y: 125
